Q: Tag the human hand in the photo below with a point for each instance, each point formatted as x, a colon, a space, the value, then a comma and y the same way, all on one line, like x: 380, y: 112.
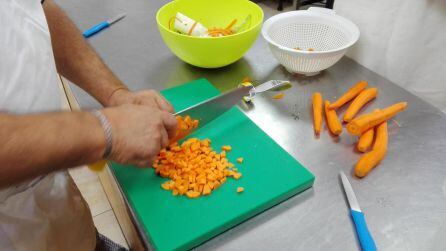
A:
x: 139, y: 133
x: 146, y: 97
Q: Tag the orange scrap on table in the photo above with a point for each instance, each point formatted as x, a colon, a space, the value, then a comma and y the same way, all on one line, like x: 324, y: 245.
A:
x: 194, y: 169
x: 279, y: 96
x: 240, y: 160
x: 240, y: 189
x: 226, y: 148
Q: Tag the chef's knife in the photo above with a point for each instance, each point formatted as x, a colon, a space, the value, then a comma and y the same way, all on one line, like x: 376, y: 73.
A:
x: 212, y: 108
x: 365, y: 238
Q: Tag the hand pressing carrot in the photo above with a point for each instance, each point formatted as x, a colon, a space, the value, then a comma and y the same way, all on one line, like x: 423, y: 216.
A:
x: 363, y: 97
x: 333, y: 123
x: 317, y: 112
x: 366, y: 140
x: 369, y: 160
x: 349, y: 95
x: 363, y: 123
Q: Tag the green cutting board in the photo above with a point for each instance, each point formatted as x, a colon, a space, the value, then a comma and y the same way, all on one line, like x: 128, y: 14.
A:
x: 270, y: 176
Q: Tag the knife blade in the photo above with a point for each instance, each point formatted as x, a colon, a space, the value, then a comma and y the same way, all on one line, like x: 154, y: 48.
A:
x: 365, y: 238
x: 212, y: 108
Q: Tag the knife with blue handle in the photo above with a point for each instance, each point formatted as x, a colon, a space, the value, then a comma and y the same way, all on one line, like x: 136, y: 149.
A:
x: 364, y: 236
x: 97, y: 28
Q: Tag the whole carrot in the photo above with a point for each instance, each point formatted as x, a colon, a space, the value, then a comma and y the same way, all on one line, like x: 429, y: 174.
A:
x: 333, y: 123
x: 360, y: 125
x: 349, y: 95
x: 366, y: 140
x: 317, y: 112
x: 369, y: 160
x: 363, y: 97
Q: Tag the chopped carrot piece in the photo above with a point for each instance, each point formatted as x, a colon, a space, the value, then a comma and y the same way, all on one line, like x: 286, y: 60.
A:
x: 237, y: 176
x: 279, y: 96
x: 240, y: 160
x: 226, y: 148
x: 192, y: 194
x: 240, y: 189
x: 206, y: 189
x: 185, y: 126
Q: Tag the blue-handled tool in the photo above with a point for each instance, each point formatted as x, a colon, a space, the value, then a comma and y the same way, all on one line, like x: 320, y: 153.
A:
x: 364, y: 236
x: 97, y: 28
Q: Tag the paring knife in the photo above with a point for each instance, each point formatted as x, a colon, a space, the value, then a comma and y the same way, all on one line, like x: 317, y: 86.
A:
x: 365, y: 238
x: 97, y: 28
x: 212, y: 108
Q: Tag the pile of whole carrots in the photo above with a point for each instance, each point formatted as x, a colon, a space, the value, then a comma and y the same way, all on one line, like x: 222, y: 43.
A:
x: 371, y: 128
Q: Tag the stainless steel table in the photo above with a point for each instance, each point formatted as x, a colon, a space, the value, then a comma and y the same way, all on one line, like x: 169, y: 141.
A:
x: 403, y: 198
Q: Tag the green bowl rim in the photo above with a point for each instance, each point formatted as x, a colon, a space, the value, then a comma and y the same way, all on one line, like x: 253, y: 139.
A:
x: 233, y: 35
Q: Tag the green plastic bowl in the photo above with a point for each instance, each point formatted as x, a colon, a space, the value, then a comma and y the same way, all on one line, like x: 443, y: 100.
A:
x: 211, y: 52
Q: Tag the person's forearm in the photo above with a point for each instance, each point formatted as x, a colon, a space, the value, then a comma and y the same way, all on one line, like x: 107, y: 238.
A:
x: 76, y: 60
x: 33, y: 145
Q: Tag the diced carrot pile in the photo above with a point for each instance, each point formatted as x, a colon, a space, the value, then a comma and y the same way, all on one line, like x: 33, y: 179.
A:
x: 194, y: 168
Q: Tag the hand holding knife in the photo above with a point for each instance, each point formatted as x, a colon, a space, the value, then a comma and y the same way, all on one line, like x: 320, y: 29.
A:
x: 212, y: 108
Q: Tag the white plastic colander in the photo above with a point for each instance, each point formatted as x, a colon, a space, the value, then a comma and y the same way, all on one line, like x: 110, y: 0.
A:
x: 328, y: 36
